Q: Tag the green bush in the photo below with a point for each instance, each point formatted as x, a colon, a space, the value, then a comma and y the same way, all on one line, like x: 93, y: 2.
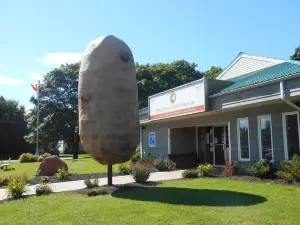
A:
x: 147, y: 158
x: 192, y: 173
x: 259, y: 169
x: 27, y: 158
x: 43, y: 156
x: 141, y: 173
x: 45, y: 180
x: 290, y: 169
x: 43, y: 189
x: 62, y: 174
x: 124, y: 168
x: 91, y: 183
x: 205, y: 170
x: 98, y: 191
x: 162, y: 164
x: 16, y: 187
x: 137, y: 155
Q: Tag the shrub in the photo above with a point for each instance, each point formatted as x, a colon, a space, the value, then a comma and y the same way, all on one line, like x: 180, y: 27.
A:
x: 229, y: 170
x: 53, y: 151
x: 205, y: 170
x: 141, y: 173
x: 124, y: 168
x: 16, y: 187
x: 98, y: 191
x: 137, y: 155
x: 43, y: 156
x: 43, y: 189
x: 192, y: 173
x: 62, y: 174
x: 27, y: 158
x: 290, y: 169
x: 259, y: 169
x: 147, y: 158
x: 91, y: 183
x: 45, y: 180
x: 164, y: 164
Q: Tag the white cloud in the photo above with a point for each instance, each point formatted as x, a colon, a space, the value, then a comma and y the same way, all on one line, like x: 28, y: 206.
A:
x: 35, y: 76
x: 10, y: 81
x: 58, y: 58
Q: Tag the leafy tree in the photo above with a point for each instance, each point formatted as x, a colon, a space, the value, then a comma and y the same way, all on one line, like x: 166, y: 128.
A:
x: 296, y: 55
x: 213, y: 72
x: 155, y: 78
x: 13, y: 128
x: 58, y: 109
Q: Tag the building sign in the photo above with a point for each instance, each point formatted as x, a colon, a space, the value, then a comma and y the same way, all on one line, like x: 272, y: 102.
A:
x: 186, y: 99
x: 152, y: 139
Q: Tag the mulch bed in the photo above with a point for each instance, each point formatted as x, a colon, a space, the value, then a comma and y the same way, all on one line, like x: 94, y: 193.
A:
x: 71, y: 177
x: 116, y: 188
x: 256, y: 179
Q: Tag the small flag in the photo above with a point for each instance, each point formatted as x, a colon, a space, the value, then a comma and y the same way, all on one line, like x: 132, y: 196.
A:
x: 35, y: 87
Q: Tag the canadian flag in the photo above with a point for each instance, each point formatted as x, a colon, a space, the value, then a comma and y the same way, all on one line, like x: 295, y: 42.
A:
x: 34, y: 87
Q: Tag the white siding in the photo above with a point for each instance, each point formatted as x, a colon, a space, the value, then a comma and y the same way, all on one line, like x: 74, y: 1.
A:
x: 246, y: 64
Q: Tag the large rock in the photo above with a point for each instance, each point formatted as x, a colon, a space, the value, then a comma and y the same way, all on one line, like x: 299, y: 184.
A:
x: 49, y: 166
x: 108, y: 110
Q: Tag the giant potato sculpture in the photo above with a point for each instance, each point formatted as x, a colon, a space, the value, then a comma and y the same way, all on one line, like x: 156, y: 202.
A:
x: 107, y: 92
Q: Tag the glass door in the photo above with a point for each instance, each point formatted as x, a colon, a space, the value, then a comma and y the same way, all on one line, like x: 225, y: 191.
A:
x: 220, y: 145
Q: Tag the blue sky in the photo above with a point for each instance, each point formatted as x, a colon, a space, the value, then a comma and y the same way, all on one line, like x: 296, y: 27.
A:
x: 37, y: 36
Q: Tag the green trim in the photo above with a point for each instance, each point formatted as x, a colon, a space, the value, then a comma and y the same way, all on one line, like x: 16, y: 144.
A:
x: 270, y: 73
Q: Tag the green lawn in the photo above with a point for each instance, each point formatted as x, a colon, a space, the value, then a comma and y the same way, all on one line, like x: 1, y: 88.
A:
x: 200, y: 201
x: 82, y: 165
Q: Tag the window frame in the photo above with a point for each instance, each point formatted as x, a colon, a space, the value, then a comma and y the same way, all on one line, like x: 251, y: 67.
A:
x: 239, y: 140
x: 286, y: 153
x: 259, y: 135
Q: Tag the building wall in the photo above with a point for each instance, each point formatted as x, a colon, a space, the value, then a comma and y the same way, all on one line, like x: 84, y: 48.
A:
x: 223, y: 118
x: 183, y: 140
x: 247, y: 64
x: 161, y: 134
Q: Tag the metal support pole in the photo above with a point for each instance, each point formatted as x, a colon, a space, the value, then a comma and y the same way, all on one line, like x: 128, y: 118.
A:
x: 37, y: 119
x: 109, y: 175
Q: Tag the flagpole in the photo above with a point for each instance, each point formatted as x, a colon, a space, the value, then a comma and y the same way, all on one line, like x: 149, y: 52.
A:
x: 37, y: 119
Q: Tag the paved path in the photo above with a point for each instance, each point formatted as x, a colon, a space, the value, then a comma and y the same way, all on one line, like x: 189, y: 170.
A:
x: 15, y: 160
x: 79, y: 184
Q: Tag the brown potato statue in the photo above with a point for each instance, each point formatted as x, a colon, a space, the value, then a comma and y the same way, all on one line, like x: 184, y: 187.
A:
x: 108, y: 110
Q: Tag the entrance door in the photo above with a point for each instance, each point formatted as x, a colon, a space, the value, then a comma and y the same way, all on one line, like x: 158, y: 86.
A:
x: 220, y: 140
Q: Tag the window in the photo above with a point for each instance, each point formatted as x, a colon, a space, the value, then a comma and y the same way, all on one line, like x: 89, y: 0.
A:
x: 291, y: 134
x: 265, y: 137
x: 243, y: 139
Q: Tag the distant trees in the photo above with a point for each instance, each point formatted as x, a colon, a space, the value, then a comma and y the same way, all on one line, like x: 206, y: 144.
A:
x: 296, y: 55
x: 13, y: 128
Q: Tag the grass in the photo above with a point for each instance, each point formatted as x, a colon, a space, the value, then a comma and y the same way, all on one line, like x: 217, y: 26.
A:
x: 198, y: 201
x: 80, y: 166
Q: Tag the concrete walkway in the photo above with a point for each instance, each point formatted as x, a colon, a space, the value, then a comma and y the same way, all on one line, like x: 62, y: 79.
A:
x: 79, y: 184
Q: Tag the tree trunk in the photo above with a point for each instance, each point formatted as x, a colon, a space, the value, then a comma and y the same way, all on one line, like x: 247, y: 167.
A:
x: 75, y: 148
x: 109, y: 175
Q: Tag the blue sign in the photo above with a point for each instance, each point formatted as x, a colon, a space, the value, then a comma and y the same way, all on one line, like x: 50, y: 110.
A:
x: 152, y: 139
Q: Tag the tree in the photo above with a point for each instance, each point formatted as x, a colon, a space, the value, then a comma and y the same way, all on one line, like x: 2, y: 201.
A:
x: 296, y: 55
x: 155, y: 78
x: 58, y: 109
x: 13, y: 128
x: 213, y: 72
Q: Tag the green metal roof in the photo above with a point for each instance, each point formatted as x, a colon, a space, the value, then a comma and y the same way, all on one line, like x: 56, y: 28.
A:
x: 143, y: 110
x: 274, y: 72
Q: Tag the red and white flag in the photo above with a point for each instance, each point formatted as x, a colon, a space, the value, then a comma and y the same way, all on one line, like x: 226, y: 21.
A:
x: 34, y: 87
